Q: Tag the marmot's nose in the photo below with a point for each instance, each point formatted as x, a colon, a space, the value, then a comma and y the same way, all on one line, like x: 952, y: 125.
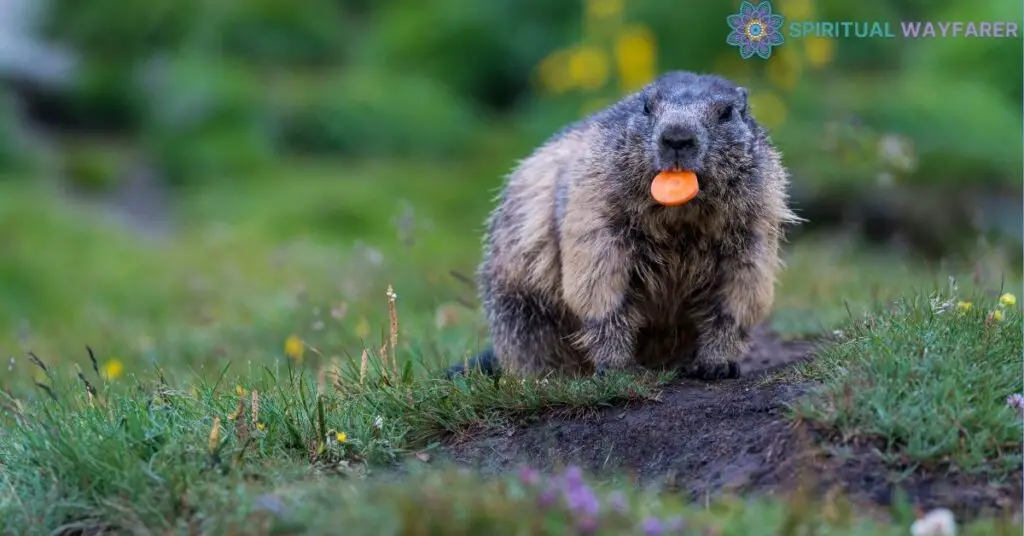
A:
x: 676, y: 137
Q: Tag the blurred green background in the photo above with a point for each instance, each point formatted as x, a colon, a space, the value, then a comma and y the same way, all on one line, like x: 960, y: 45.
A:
x: 185, y: 180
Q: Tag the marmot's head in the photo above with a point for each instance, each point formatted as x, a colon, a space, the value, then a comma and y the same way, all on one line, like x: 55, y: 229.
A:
x: 694, y: 122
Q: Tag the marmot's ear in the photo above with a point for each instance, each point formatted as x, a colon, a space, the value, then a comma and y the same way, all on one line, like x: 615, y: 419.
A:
x: 741, y: 100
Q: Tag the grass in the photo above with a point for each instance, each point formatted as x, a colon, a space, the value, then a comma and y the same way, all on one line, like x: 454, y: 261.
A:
x: 928, y: 380
x: 190, y: 330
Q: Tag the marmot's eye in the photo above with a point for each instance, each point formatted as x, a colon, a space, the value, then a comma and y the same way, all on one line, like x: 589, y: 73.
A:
x: 647, y: 108
x: 726, y: 114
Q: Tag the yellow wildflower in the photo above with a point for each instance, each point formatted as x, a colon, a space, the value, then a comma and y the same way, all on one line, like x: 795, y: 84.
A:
x: 819, y: 50
x: 997, y: 315
x: 554, y: 72
x: 113, y: 369
x: 341, y: 437
x: 293, y: 347
x: 964, y: 306
x: 635, y: 55
x: 260, y: 426
x: 1007, y: 299
x: 588, y: 67
x: 240, y: 391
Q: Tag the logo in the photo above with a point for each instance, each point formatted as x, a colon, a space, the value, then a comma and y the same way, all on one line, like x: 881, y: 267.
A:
x: 755, y: 30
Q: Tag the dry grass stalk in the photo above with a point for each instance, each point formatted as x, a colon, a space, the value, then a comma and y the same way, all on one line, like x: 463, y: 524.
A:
x: 214, y: 435
x: 393, y: 317
x: 321, y: 379
x: 241, y: 424
x: 255, y: 411
x: 363, y: 362
x: 335, y: 372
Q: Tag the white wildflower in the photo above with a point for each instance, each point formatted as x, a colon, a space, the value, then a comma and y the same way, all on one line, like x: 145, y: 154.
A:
x: 938, y: 522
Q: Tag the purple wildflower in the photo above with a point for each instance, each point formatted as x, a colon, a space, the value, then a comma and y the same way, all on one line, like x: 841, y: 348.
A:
x: 573, y: 477
x: 652, y: 527
x: 529, y: 476
x: 618, y: 501
x: 1016, y: 401
x: 582, y: 501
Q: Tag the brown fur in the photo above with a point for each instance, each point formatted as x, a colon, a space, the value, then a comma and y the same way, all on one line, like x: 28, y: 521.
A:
x: 582, y: 270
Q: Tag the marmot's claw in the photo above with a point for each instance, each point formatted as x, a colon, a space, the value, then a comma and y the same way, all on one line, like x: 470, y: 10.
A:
x: 713, y: 372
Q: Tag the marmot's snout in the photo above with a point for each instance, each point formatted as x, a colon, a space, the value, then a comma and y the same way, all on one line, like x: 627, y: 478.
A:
x: 680, y: 146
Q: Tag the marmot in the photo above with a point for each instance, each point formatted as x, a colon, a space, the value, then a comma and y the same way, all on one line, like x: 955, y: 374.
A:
x: 584, y: 272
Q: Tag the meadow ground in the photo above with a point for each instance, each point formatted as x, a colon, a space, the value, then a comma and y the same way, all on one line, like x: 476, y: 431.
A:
x: 225, y: 388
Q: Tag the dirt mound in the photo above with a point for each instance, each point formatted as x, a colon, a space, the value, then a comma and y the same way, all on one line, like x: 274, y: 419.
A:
x: 729, y: 436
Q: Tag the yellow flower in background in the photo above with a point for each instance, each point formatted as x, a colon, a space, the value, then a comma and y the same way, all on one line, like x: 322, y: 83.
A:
x: 964, y: 306
x: 554, y: 72
x: 784, y: 69
x: 769, y: 108
x: 240, y: 391
x: 341, y: 437
x: 362, y: 328
x: 260, y: 426
x: 997, y: 315
x: 1007, y: 299
x: 588, y: 67
x: 635, y: 55
x: 113, y: 369
x: 819, y: 50
x: 293, y: 347
x: 795, y: 9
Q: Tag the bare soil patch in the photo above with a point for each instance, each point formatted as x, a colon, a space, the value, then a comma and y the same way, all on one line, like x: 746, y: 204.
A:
x: 704, y: 439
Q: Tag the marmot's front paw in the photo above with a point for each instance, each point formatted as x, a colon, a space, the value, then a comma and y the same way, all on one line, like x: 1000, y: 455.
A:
x: 713, y: 371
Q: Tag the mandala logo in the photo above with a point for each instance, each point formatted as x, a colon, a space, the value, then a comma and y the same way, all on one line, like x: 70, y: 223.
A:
x: 755, y: 30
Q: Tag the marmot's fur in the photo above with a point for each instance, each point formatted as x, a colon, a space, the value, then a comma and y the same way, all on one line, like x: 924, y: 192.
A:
x: 583, y: 271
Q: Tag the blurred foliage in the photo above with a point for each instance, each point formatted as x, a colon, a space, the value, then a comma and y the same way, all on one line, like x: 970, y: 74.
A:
x: 271, y: 33
x: 484, y: 50
x: 20, y: 150
x: 246, y: 81
x: 205, y: 118
x: 374, y: 112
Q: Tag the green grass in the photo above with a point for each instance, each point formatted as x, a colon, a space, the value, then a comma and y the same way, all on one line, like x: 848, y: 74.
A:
x: 200, y: 316
x: 928, y: 381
